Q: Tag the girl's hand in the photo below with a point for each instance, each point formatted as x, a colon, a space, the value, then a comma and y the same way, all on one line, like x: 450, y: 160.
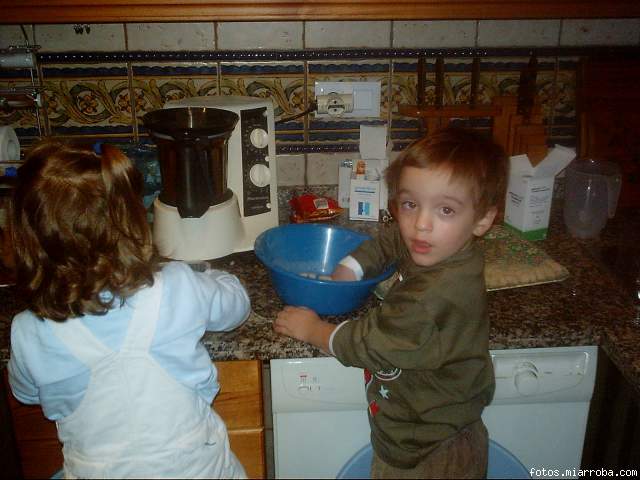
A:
x: 304, y: 324
x: 343, y: 274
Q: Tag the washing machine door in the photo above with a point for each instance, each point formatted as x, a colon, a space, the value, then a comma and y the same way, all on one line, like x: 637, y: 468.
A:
x: 502, y: 464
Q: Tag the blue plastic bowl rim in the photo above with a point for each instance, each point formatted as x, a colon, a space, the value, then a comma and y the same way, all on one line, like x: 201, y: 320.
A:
x: 516, y: 463
x: 367, y: 281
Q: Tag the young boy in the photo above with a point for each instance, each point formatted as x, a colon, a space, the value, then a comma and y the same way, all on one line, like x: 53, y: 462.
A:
x: 428, y: 342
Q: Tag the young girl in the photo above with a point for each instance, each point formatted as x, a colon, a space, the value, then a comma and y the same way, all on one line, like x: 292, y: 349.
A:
x: 110, y: 345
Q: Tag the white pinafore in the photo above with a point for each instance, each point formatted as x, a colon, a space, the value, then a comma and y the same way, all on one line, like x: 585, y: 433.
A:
x: 135, y: 420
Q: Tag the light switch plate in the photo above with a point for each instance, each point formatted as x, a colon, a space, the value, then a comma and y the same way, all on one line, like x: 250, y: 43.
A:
x: 366, y: 97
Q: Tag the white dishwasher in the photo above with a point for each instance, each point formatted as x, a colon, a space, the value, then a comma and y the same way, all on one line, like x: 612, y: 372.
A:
x: 539, y: 411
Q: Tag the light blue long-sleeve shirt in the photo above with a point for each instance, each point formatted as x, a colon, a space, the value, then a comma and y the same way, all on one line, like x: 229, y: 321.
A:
x: 43, y: 371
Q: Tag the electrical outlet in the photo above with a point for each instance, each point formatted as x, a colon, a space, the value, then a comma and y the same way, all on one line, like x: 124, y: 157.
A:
x: 363, y: 96
x: 335, y: 104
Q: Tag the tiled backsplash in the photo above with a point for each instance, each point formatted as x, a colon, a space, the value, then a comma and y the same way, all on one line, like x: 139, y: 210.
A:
x: 99, y: 83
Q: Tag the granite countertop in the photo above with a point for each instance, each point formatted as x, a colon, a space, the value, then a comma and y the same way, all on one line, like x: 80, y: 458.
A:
x: 594, y: 306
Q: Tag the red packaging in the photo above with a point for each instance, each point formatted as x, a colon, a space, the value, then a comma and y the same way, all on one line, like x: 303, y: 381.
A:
x: 313, y: 208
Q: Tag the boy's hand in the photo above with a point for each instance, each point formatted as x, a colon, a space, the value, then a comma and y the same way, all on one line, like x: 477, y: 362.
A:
x: 343, y: 274
x: 304, y: 324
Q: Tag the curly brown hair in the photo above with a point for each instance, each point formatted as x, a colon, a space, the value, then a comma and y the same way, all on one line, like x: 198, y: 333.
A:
x: 469, y: 156
x: 79, y: 230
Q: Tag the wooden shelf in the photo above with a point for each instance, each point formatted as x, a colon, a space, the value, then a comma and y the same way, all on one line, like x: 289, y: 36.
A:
x: 114, y: 11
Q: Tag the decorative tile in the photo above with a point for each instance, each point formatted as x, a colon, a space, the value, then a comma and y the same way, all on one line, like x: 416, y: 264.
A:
x: 434, y: 34
x: 23, y: 120
x: 282, y: 82
x: 154, y: 85
x: 403, y: 92
x: 515, y: 33
x: 564, y: 122
x: 88, y: 100
x: 403, y: 85
x: 332, y: 34
x: 101, y: 37
x: 501, y: 76
x: 87, y: 92
x: 612, y: 31
x: 259, y: 35
x: 288, y: 134
x: 171, y: 36
x: 566, y: 88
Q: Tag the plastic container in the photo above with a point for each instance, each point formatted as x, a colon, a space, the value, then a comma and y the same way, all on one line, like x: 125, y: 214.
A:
x: 592, y: 188
x: 502, y: 464
x: 192, y: 149
x: 289, y: 250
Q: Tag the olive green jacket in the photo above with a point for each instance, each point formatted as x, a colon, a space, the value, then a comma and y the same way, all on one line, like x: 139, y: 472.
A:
x: 426, y: 348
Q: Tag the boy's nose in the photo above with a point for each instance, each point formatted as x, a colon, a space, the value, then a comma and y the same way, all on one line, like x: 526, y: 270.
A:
x: 424, y: 222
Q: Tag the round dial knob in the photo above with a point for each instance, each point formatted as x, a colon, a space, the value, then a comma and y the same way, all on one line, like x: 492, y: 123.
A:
x: 260, y: 175
x: 259, y: 138
x: 526, y: 379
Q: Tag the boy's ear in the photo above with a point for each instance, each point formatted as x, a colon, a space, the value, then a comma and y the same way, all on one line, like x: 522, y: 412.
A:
x: 483, y: 224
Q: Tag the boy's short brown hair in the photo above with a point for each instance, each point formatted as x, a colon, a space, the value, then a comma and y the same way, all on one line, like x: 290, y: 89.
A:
x: 469, y: 156
x: 79, y: 230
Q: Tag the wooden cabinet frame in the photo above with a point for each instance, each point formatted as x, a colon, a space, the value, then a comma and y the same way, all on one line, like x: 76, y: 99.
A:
x: 111, y: 11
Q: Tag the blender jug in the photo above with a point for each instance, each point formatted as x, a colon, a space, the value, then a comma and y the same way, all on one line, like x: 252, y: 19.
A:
x: 192, y: 150
x: 592, y: 188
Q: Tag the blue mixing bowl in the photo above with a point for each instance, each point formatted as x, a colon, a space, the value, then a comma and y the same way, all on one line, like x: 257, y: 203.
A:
x: 290, y: 250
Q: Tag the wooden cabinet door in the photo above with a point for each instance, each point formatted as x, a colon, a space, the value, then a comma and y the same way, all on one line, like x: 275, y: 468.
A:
x: 36, y: 438
x: 239, y: 403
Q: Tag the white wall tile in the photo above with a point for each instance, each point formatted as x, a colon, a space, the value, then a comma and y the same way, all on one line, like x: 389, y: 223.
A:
x: 171, y: 36
x: 348, y: 34
x: 434, y: 34
x: 618, y: 31
x: 518, y: 33
x: 322, y: 168
x: 60, y: 38
x: 260, y: 35
x: 290, y: 170
x: 11, y: 35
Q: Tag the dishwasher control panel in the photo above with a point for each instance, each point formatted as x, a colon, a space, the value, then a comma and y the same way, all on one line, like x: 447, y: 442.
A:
x: 319, y: 384
x: 544, y: 374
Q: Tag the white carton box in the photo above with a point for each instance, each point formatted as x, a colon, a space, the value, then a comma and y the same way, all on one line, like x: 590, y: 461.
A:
x: 364, y: 202
x: 367, y: 190
x: 530, y: 192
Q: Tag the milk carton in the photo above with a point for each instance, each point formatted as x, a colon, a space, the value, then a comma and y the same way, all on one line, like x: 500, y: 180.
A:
x: 367, y: 190
x: 530, y: 191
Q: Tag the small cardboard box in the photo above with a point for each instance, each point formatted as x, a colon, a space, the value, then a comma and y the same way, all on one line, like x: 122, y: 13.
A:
x: 530, y: 192
x: 364, y: 201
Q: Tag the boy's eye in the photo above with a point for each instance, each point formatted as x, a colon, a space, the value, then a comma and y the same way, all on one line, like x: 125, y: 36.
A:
x: 408, y: 205
x: 447, y: 211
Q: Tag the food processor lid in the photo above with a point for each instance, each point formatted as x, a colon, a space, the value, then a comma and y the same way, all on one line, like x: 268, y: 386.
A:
x: 191, y: 122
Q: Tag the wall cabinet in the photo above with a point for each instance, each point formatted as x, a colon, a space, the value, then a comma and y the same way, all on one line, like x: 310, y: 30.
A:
x: 106, y: 11
x: 34, y: 439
